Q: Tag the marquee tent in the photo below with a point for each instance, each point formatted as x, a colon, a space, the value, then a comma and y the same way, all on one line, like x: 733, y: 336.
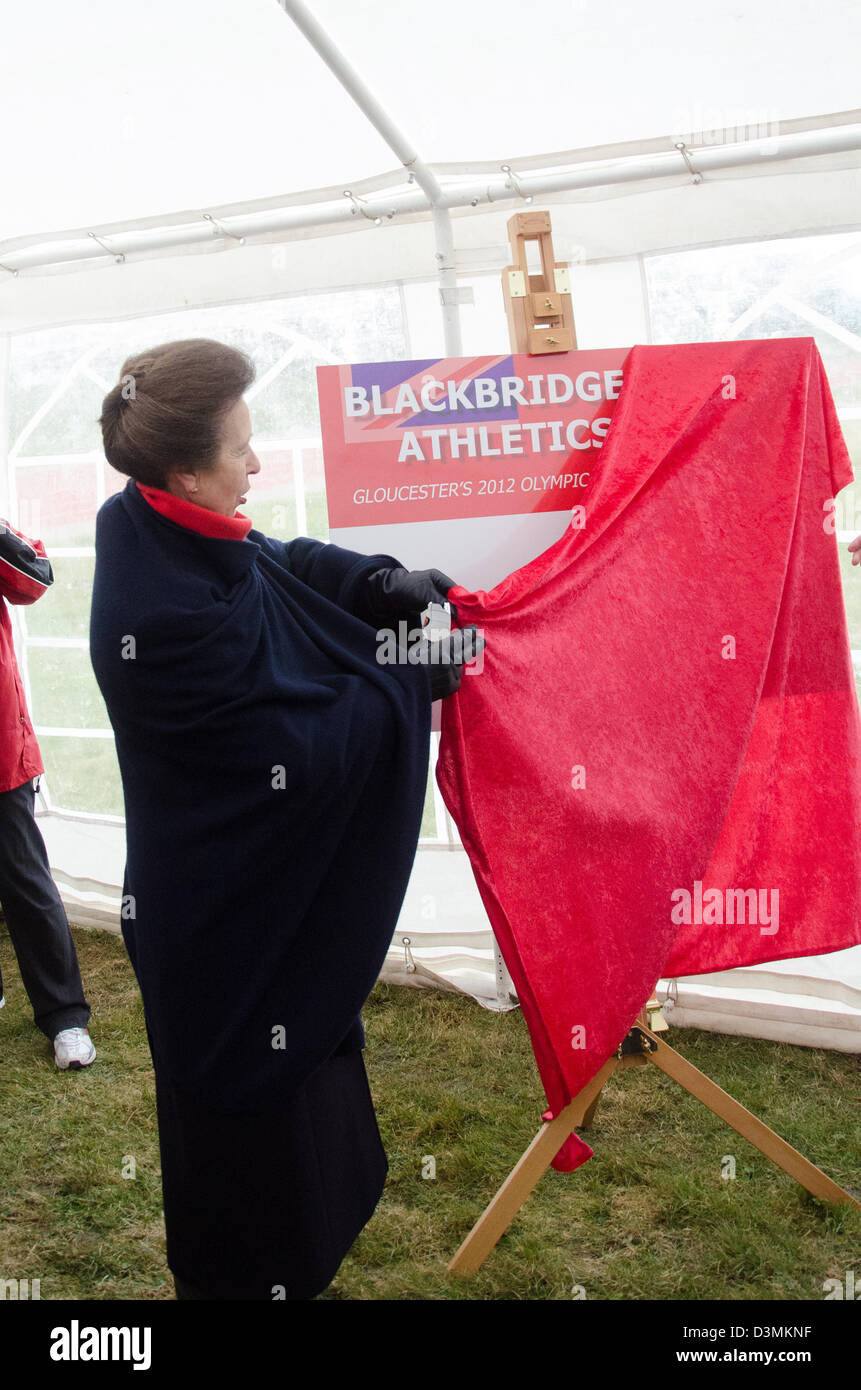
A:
x: 331, y: 183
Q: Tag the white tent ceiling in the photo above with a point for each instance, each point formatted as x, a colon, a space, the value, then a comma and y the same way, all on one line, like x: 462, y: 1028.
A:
x: 137, y: 110
x: 129, y: 128
x: 134, y: 122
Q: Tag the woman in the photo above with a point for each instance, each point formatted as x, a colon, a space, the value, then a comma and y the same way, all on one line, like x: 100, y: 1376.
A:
x: 274, y: 775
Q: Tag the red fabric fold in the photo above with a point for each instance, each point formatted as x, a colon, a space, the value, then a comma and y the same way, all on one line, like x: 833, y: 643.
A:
x: 668, y: 701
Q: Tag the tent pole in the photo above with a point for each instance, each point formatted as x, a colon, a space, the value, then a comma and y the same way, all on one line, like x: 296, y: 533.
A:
x: 447, y: 282
x: 426, y: 179
x: 362, y: 96
x: 60, y: 248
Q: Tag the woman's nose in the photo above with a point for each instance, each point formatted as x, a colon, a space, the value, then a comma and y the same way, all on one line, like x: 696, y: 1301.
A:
x: 255, y: 467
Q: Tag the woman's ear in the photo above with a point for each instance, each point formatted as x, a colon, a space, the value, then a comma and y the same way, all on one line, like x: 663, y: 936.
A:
x: 182, y: 484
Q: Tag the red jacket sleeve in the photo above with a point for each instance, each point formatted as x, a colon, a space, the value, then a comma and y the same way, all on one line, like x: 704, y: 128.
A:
x: 25, y: 571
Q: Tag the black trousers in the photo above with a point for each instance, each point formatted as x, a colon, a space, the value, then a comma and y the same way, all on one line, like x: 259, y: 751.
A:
x: 36, y: 918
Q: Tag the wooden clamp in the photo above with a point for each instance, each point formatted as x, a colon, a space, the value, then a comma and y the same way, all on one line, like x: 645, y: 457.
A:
x: 539, y: 308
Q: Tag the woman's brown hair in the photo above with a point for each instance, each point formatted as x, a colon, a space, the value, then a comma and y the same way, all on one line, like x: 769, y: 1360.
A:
x: 166, y: 410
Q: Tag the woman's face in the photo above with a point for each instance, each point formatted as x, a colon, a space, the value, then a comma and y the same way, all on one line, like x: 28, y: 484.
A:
x: 223, y: 487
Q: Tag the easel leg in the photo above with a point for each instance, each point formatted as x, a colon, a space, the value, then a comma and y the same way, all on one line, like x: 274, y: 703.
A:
x: 746, y: 1124
x: 586, y: 1122
x: 497, y: 1217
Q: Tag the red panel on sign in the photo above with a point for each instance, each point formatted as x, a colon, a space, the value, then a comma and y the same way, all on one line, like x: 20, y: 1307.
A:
x: 462, y: 437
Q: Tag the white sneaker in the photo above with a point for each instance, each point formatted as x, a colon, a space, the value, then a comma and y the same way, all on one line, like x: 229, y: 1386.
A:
x: 73, y: 1049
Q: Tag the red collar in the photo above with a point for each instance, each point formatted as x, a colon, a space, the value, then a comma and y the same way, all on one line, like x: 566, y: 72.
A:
x: 194, y: 518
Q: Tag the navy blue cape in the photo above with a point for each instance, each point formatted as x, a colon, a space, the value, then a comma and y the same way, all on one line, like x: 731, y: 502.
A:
x: 274, y: 775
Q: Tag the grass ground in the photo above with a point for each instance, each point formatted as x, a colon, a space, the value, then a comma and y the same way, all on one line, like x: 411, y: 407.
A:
x: 649, y: 1217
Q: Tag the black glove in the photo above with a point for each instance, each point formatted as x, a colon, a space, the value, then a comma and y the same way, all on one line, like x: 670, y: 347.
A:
x: 446, y: 658
x: 401, y: 590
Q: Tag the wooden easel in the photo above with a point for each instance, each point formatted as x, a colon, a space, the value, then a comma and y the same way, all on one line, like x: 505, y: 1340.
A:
x: 539, y: 309
x: 641, y: 1045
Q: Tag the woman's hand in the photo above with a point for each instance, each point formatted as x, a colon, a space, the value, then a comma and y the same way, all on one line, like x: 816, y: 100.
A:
x: 855, y: 548
x: 447, y: 656
x: 410, y: 591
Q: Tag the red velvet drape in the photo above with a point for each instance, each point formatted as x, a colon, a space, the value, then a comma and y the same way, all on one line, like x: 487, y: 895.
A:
x: 667, y: 708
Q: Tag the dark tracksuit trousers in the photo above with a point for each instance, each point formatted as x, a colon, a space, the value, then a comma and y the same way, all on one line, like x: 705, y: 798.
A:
x: 36, y: 918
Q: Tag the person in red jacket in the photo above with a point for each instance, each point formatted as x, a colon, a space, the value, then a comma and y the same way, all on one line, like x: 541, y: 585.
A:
x: 35, y: 916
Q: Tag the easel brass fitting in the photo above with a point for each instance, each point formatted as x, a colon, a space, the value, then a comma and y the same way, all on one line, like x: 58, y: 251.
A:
x: 634, y: 1043
x: 539, y: 309
x: 654, y: 1018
